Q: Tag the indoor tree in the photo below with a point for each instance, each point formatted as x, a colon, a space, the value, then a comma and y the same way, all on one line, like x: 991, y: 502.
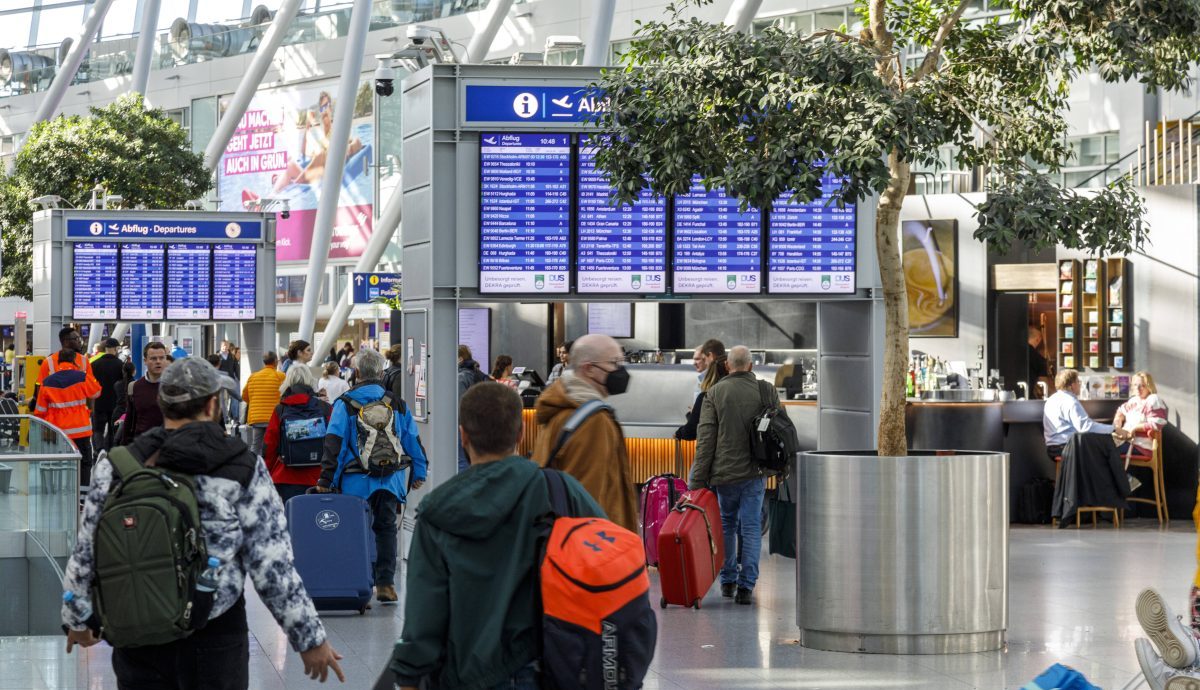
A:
x: 771, y: 114
x: 138, y: 153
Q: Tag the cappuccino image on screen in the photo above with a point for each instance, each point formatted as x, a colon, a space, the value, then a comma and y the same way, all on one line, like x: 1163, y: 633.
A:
x: 930, y: 273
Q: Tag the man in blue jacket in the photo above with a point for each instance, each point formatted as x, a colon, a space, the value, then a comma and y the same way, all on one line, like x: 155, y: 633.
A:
x: 367, y: 461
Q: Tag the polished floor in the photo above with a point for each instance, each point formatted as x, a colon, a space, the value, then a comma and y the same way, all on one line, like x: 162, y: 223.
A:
x: 1071, y: 602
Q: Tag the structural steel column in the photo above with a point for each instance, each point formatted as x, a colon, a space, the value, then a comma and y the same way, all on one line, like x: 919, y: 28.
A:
x: 481, y: 42
x: 145, y: 46
x: 249, y: 84
x: 66, y: 72
x: 741, y: 12
x: 335, y: 164
x: 595, y: 53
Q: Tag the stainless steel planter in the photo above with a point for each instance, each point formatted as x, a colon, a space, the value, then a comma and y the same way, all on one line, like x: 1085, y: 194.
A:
x: 902, y: 555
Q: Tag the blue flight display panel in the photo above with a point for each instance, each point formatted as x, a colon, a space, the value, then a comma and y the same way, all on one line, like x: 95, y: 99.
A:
x: 619, y: 249
x: 811, y: 246
x: 718, y: 248
x: 143, y: 267
x: 95, y: 283
x: 189, y: 281
x: 524, y: 213
x: 234, y: 281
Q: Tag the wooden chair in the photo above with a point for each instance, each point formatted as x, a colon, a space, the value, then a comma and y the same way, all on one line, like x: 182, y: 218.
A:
x: 1154, y: 463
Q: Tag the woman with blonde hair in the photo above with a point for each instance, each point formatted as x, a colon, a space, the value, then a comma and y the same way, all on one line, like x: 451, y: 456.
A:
x: 294, y: 437
x: 1143, y: 415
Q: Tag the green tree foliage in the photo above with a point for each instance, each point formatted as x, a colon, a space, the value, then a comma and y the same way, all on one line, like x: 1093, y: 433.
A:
x: 771, y: 114
x: 139, y: 154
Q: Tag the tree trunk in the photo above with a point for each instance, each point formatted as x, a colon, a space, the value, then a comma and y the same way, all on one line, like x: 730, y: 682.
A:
x: 892, y: 439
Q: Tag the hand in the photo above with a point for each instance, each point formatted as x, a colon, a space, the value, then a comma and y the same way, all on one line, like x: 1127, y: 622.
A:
x: 319, y: 490
x: 318, y: 661
x: 83, y: 638
x: 418, y: 483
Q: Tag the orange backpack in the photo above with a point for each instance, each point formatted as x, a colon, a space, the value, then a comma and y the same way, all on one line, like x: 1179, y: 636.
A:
x: 598, y: 629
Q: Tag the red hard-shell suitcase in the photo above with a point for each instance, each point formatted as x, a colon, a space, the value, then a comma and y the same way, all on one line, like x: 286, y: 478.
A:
x: 691, y: 549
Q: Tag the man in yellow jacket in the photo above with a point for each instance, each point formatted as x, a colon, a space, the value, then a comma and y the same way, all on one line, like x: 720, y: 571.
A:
x: 260, y: 396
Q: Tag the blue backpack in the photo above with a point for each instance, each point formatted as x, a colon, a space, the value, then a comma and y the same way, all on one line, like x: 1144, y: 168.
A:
x: 1059, y: 677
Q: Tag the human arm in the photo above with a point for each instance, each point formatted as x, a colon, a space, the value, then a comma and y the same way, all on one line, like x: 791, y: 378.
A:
x: 81, y: 568
x: 581, y: 503
x: 421, y: 648
x: 1082, y: 423
x: 271, y: 441
x: 706, y: 445
x: 687, y: 432
x: 406, y: 429
x: 130, y: 416
x: 336, y: 430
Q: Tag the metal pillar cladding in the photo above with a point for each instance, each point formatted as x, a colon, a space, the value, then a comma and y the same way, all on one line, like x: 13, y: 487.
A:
x: 595, y: 52
x: 741, y: 13
x: 481, y: 42
x: 335, y: 164
x: 66, y: 72
x: 147, y: 39
x: 248, y: 86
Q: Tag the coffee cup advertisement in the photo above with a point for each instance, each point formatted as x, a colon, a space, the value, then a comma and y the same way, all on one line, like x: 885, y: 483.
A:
x: 930, y: 255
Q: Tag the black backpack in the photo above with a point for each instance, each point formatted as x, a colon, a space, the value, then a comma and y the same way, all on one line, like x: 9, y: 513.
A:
x: 1035, y: 502
x: 301, y: 434
x: 773, y: 440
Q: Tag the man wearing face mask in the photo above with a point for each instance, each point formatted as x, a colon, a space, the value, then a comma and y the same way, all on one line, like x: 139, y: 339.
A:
x: 594, y: 453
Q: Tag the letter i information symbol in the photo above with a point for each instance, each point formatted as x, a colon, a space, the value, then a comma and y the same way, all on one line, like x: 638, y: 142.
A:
x: 525, y: 105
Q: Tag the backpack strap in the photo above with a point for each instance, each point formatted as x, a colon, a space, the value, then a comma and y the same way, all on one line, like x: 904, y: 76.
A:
x: 557, y: 486
x: 576, y: 420
x: 123, y: 461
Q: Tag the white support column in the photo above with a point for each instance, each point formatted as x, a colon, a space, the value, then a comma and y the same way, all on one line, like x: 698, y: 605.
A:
x: 335, y: 164
x: 481, y: 42
x: 250, y: 81
x: 66, y: 72
x: 741, y: 13
x: 595, y: 53
x: 145, y: 47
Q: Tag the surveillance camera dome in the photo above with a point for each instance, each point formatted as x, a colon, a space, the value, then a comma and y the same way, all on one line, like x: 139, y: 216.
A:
x: 385, y: 78
x: 419, y: 34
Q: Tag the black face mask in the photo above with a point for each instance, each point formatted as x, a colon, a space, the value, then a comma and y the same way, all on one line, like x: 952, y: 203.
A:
x: 617, y: 381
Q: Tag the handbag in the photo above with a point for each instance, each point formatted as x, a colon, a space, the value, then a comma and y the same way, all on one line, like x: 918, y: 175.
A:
x: 781, y: 515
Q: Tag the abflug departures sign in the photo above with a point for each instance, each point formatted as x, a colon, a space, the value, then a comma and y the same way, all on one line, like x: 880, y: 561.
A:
x: 546, y: 225
x: 133, y: 269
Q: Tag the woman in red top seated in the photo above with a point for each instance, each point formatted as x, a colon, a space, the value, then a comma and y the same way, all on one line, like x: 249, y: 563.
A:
x: 1142, y: 415
x: 502, y: 372
x: 295, y: 434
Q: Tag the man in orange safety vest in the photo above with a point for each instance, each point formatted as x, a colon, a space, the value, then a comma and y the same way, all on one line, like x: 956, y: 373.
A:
x: 63, y: 395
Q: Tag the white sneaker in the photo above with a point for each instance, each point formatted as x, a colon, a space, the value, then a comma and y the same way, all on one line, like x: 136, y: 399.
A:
x: 1157, y: 672
x: 1170, y: 636
x: 1183, y: 682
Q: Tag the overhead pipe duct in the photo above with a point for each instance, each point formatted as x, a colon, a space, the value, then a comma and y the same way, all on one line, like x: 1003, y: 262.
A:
x: 481, y: 42
x: 595, y: 53
x: 147, y: 36
x: 207, y: 41
x: 66, y: 72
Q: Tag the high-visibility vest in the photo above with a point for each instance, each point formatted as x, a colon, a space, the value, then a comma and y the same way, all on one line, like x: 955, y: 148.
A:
x: 65, y: 390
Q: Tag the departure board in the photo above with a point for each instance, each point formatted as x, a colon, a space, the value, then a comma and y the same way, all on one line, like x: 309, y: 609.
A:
x: 189, y: 281
x: 718, y: 248
x: 618, y: 249
x: 234, y: 281
x: 142, y: 284
x: 95, y: 283
x: 811, y: 246
x: 524, y: 213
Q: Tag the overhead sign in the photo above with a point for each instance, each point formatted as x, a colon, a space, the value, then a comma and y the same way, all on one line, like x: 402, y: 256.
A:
x: 371, y: 286
x: 531, y: 103
x: 139, y: 229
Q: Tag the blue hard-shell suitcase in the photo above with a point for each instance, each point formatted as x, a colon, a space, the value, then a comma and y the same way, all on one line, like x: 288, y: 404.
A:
x: 334, y: 549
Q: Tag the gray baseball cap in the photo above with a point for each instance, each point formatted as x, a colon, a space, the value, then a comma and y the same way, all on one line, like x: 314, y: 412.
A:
x: 197, y: 378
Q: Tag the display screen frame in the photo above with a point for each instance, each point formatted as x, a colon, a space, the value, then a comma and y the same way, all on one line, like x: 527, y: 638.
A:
x: 215, y: 247
x: 738, y: 277
x: 208, y: 276
x: 820, y: 289
x: 108, y: 312
x: 127, y: 281
x: 596, y: 325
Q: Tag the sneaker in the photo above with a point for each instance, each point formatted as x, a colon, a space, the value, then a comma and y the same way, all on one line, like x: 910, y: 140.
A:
x: 386, y: 594
x: 1157, y: 673
x: 743, y: 596
x: 727, y: 589
x: 1182, y: 681
x: 1170, y: 636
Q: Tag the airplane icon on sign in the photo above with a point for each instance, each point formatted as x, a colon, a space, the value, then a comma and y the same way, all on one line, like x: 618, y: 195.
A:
x: 490, y: 140
x: 564, y: 102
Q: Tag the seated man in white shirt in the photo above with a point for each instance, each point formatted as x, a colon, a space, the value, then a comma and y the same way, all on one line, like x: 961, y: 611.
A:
x: 1064, y: 416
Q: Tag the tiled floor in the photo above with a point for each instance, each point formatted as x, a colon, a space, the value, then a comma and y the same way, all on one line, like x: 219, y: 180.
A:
x: 1071, y: 602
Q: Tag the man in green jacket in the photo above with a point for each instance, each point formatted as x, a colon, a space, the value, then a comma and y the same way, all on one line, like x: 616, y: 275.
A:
x: 470, y: 617
x: 724, y: 463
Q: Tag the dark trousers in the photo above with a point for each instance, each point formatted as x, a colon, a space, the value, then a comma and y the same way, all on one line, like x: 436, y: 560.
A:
x: 86, y: 458
x: 103, y: 425
x: 287, y: 491
x: 384, y: 509
x: 216, y: 657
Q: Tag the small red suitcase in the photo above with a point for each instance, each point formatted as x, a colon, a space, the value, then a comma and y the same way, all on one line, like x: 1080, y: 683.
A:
x: 691, y: 549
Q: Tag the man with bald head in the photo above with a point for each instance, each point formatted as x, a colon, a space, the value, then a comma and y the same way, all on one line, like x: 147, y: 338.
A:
x: 725, y: 464
x: 595, y: 452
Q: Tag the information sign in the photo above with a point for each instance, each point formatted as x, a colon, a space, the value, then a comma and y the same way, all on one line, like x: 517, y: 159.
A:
x: 189, y: 281
x: 175, y: 229
x: 474, y: 331
x: 717, y: 247
x: 525, y: 209
x: 530, y: 103
x: 619, y: 249
x: 142, y: 284
x: 234, y: 281
x: 368, y: 287
x: 95, y: 283
x: 811, y: 246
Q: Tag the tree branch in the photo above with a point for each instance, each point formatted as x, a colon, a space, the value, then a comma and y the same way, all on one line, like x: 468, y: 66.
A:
x: 884, y: 40
x: 935, y: 51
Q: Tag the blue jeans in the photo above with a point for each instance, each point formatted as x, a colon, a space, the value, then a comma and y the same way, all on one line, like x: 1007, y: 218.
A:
x: 526, y: 678
x: 463, y: 462
x: 741, y: 516
x: 384, y: 508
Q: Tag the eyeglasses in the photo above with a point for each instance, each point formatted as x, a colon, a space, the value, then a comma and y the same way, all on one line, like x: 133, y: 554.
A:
x: 617, y: 362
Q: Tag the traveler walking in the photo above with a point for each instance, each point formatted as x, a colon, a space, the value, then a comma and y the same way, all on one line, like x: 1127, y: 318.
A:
x: 563, y: 354
x: 242, y: 530
x: 712, y: 375
x: 368, y: 436
x: 260, y: 395
x: 231, y: 366
x: 108, y: 371
x: 332, y: 386
x: 142, y: 412
x: 595, y: 452
x: 393, y: 380
x: 298, y: 351
x: 469, y: 374
x: 295, y: 435
x: 725, y: 463
x: 65, y: 389
x: 177, y: 352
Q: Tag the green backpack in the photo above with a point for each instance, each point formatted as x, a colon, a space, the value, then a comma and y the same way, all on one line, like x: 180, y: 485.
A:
x: 149, y: 552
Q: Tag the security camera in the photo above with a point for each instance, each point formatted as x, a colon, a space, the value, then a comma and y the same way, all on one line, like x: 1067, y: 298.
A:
x: 285, y: 212
x: 385, y: 77
x: 561, y: 42
x: 419, y: 34
x: 46, y: 201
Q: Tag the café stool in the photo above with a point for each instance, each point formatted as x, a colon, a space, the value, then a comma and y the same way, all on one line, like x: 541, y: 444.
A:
x: 1086, y: 509
x: 1154, y: 463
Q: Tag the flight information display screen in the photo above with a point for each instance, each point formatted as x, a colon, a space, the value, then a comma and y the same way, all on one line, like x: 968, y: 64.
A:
x: 718, y: 248
x: 142, y: 281
x: 234, y: 281
x: 95, y: 284
x: 189, y: 281
x: 618, y: 249
x: 811, y: 246
x: 524, y: 213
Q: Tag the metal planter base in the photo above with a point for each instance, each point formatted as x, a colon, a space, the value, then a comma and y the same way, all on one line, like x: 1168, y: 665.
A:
x: 962, y: 643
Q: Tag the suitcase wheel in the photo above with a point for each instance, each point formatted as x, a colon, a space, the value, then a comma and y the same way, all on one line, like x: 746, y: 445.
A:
x: 363, y: 610
x: 696, y: 604
x: 663, y: 602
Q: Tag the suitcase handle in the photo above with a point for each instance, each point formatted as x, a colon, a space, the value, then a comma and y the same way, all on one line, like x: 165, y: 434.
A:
x: 712, y: 543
